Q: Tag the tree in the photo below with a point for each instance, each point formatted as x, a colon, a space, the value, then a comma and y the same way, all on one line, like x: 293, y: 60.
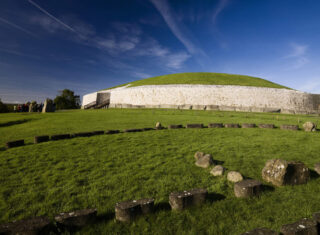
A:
x: 3, y: 108
x: 67, y: 100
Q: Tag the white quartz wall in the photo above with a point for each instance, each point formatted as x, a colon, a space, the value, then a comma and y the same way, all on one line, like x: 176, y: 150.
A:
x: 89, y: 98
x: 233, y: 96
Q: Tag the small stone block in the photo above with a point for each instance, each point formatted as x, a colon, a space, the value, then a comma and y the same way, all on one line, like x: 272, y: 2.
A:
x: 40, y: 139
x: 127, y: 211
x: 302, y: 227
x: 97, y: 132
x: 175, y: 126
x: 83, y: 134
x: 147, y: 205
x: 194, y: 125
x: 247, y: 188
x: 289, y: 127
x: 199, y: 196
x: 215, y: 125
x: 180, y: 200
x: 266, y: 126
x: 111, y: 132
x: 60, y: 137
x: 261, y: 231
x: 13, y: 144
x: 76, y: 219
x: 231, y: 125
x: 248, y: 125
x: 132, y: 130
x: 33, y: 226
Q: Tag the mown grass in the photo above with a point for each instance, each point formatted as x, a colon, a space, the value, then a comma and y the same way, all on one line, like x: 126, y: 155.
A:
x: 52, y: 177
x: 204, y: 79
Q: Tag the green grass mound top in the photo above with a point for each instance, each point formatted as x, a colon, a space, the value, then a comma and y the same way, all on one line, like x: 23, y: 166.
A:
x: 205, y: 79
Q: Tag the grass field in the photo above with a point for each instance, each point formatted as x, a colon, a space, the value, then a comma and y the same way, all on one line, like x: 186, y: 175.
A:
x: 57, y: 176
x: 205, y: 79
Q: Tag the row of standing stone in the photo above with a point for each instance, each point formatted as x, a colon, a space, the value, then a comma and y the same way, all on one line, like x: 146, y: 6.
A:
x: 308, y: 126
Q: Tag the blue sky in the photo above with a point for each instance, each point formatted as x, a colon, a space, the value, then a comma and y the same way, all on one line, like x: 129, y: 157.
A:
x: 83, y: 45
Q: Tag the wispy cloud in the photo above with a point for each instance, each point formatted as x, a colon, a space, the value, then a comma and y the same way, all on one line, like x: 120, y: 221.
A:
x: 17, y: 27
x: 312, y: 86
x: 297, y: 56
x: 176, y: 27
x: 221, y: 6
x: 51, y: 16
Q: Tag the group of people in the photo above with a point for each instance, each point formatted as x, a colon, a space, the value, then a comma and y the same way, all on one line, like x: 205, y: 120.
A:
x: 28, y: 107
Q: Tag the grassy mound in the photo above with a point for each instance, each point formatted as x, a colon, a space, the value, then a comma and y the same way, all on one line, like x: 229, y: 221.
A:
x: 205, y: 79
x: 57, y: 176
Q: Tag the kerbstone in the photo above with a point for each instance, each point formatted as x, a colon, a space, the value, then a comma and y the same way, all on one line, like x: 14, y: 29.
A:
x: 234, y: 176
x: 266, y: 126
x: 127, y: 211
x: 215, y: 125
x: 13, y: 144
x: 289, y: 127
x: 302, y: 227
x: 247, y: 188
x: 248, y: 125
x: 204, y: 161
x: 182, y: 200
x: 231, y: 125
x: 218, y: 170
x: 76, y: 219
x: 309, y: 127
x: 280, y: 172
x: 40, y: 139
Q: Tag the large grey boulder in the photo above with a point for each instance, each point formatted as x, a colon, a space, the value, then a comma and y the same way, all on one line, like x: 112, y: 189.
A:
x: 309, y: 126
x: 234, y: 176
x: 48, y: 106
x: 218, y: 170
x: 280, y: 172
x: 205, y: 161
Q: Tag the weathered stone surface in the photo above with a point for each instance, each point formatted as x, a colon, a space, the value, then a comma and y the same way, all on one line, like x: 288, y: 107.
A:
x: 247, y: 188
x: 205, y: 161
x: 266, y: 126
x: 48, y: 106
x: 40, y: 139
x: 302, y: 227
x: 316, y: 217
x: 76, y: 219
x: 261, y: 231
x: 248, y: 125
x: 317, y: 168
x: 110, y: 132
x: 146, y: 204
x: 181, y: 200
x: 231, y: 125
x: 199, y: 196
x: 280, y: 172
x: 132, y: 130
x: 289, y: 127
x: 33, y: 226
x: 60, y: 137
x: 13, y: 144
x: 159, y: 126
x: 175, y: 126
x: 198, y: 155
x: 194, y: 125
x: 215, y: 125
x: 309, y: 126
x: 234, y: 176
x: 217, y: 170
x: 128, y: 210
x: 33, y: 107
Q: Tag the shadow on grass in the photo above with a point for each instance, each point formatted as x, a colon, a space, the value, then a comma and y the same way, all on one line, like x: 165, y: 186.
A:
x: 213, y: 197
x: 162, y: 206
x: 313, y: 174
x: 104, y: 217
x: 267, y: 188
x: 11, y: 123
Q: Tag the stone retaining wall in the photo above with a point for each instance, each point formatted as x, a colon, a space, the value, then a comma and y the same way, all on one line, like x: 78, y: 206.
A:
x: 212, y: 97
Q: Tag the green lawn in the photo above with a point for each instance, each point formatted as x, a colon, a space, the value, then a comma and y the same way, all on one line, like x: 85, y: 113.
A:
x: 205, y: 79
x: 57, y: 176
